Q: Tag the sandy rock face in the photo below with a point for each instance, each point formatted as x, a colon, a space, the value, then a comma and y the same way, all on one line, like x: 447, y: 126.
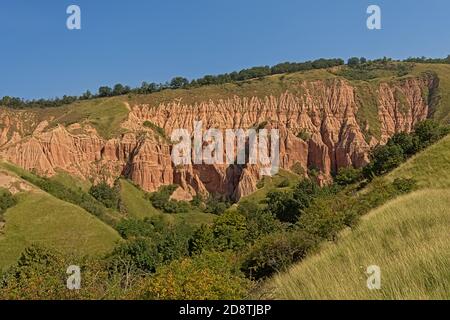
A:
x: 318, y: 129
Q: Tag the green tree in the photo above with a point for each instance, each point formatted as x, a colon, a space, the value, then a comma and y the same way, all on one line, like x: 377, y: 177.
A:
x: 105, y: 194
x: 353, y: 62
x: 304, y: 193
x: 104, y: 91
x: 348, y: 176
x: 229, y: 231
x: 86, y: 96
x: 7, y: 200
x: 139, y: 255
x: 201, y: 240
x: 276, y: 252
x: 283, y: 206
x: 385, y: 158
x: 179, y: 82
x: 405, y: 141
x: 209, y: 276
x: 118, y: 90
x: 429, y: 131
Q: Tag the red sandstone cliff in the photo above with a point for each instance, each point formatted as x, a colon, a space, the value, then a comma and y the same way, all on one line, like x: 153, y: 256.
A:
x: 326, y: 113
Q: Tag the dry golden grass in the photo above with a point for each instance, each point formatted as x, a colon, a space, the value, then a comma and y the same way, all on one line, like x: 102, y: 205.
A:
x: 408, y: 239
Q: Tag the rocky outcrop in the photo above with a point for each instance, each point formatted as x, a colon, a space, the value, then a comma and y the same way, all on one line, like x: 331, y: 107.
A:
x: 319, y: 128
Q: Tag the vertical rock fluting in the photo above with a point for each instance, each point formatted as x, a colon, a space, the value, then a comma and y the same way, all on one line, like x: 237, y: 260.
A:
x: 318, y: 129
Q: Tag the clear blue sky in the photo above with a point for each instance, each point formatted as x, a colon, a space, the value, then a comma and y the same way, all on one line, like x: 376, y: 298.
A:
x: 145, y: 40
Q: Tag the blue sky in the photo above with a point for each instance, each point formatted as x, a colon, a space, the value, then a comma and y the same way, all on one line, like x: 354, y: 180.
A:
x: 145, y: 40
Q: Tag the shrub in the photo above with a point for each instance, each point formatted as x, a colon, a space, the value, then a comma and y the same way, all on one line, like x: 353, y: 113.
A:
x: 161, y: 200
x: 134, y: 256
x: 260, y: 184
x: 347, y: 176
x: 329, y: 214
x: 7, y: 200
x: 298, y: 169
x: 201, y: 240
x: 276, y: 252
x: 304, y: 135
x: 429, y: 131
x: 131, y: 228
x: 326, y: 217
x: 261, y: 223
x: 283, y: 206
x: 304, y: 192
x: 105, y: 194
x: 229, y: 231
x: 173, y: 241
x: 209, y: 276
x: 384, y: 159
x: 197, y: 201
x: 25, y: 280
x: 247, y: 207
x: 160, y: 131
x: 287, y: 206
x: 404, y: 186
x: 284, y: 183
x: 174, y: 206
x: 405, y: 141
x: 216, y: 206
x: 401, y: 146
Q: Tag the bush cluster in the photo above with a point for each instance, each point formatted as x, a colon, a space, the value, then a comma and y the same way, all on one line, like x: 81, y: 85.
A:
x: 402, y: 145
x: 105, y: 194
x: 7, y: 200
x: 161, y: 200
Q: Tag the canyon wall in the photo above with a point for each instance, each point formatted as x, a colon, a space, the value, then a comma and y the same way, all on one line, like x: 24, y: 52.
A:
x: 322, y: 128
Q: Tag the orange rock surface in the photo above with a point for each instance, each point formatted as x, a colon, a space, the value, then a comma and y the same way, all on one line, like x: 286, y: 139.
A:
x: 326, y: 113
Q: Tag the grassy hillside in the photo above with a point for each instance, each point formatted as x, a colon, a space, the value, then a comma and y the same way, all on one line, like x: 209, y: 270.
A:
x: 39, y: 218
x: 441, y: 111
x: 71, y: 181
x: 277, y: 182
x: 407, y: 238
x: 104, y: 114
x: 134, y: 202
x: 69, y: 189
x: 430, y: 168
x: 137, y: 206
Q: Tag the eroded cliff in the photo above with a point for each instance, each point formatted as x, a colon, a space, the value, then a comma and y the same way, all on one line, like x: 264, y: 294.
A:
x: 323, y: 126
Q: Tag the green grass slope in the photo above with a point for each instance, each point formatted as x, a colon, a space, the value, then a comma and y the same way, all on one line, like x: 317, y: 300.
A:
x: 104, y: 114
x: 41, y: 219
x: 268, y: 184
x: 137, y: 206
x: 441, y: 111
x: 430, y: 168
x: 407, y: 238
x: 71, y: 182
x: 134, y: 201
